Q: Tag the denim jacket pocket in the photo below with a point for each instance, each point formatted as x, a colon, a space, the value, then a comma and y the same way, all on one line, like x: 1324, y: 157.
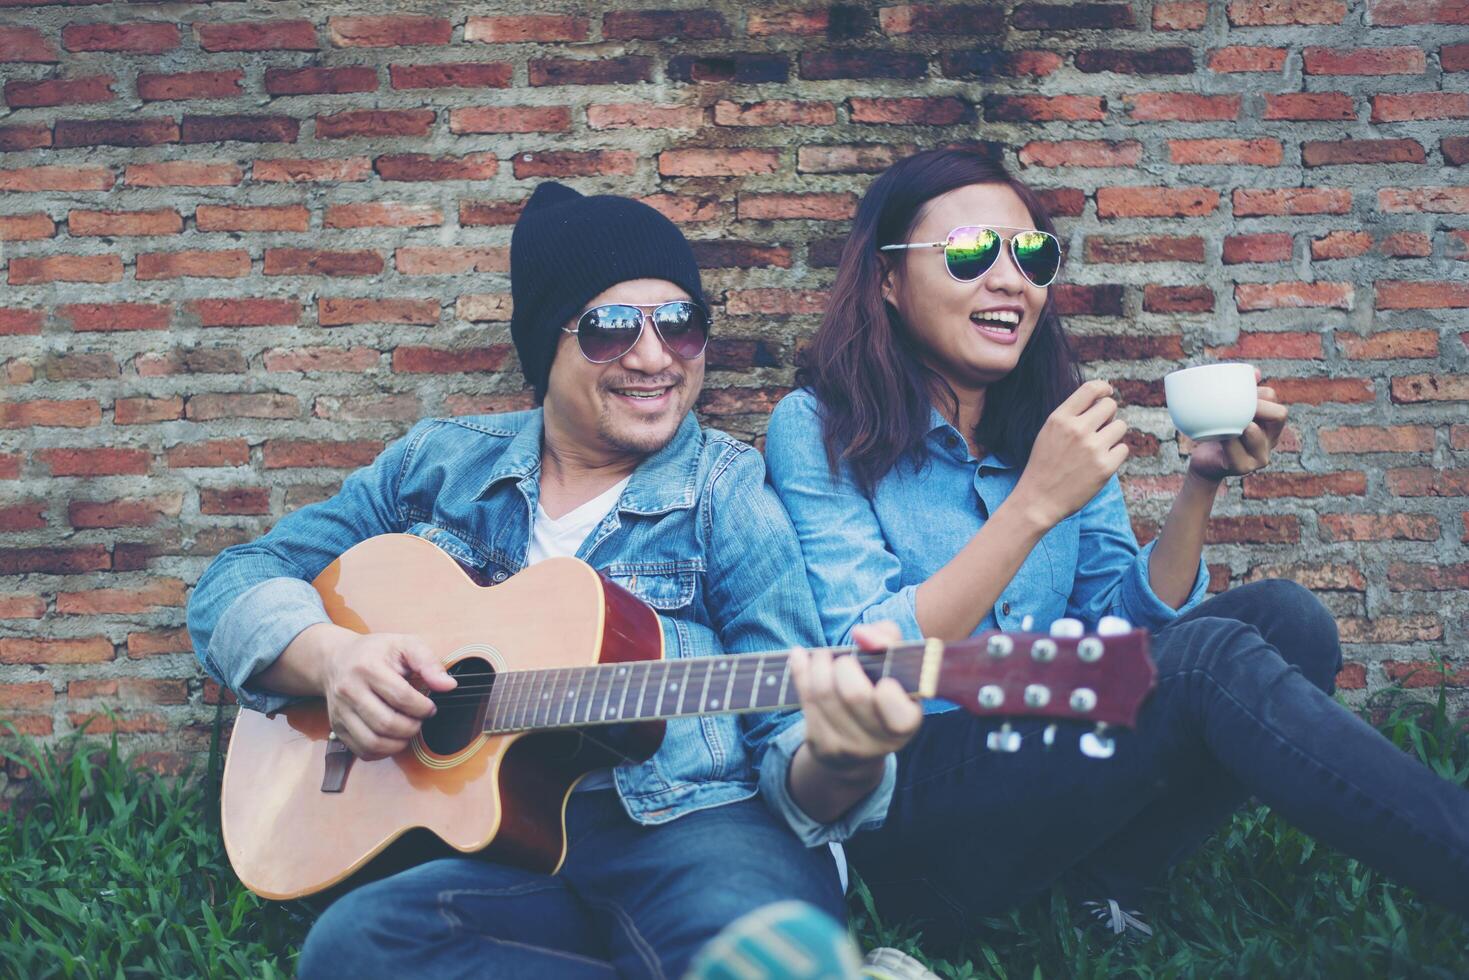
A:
x: 667, y: 586
x: 470, y: 558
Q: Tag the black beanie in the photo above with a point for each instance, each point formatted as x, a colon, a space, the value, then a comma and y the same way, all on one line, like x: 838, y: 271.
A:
x: 567, y: 248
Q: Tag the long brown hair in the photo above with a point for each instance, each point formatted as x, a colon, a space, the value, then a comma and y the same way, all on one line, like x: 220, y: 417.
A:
x: 863, y: 364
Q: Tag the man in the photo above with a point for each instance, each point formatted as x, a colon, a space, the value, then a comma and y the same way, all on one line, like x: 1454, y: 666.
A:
x: 610, y: 324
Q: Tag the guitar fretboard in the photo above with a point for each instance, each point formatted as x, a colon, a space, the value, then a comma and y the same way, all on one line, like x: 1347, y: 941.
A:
x: 656, y: 689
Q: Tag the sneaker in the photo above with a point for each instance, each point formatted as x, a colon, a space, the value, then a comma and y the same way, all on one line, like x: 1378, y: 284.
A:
x: 1112, y: 919
x: 784, y: 941
x: 886, y: 963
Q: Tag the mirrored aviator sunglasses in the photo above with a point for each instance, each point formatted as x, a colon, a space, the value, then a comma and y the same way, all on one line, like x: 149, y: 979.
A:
x: 606, y: 333
x: 971, y: 250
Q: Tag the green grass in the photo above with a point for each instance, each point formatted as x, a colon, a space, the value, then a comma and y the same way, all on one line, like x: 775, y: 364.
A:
x: 119, y: 874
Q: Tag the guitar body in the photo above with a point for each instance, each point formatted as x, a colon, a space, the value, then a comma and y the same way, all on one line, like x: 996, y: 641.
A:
x: 455, y: 789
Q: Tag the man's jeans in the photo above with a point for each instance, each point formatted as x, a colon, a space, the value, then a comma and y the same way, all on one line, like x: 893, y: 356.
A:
x: 630, y: 901
x: 1242, y: 708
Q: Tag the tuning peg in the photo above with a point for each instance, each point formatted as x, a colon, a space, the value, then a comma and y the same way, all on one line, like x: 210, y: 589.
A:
x: 1068, y: 629
x: 1048, y: 737
x: 1098, y: 744
x: 1113, y: 626
x: 1006, y: 739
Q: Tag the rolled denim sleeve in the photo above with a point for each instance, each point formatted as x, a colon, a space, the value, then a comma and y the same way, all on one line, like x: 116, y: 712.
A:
x: 759, y: 600
x: 1112, y: 571
x: 855, y: 577
x: 255, y: 598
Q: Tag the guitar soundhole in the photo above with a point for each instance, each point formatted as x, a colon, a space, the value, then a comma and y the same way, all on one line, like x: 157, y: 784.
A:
x: 461, y: 715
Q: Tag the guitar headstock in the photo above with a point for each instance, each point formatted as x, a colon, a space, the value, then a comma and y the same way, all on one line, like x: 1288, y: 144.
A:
x: 1067, y: 674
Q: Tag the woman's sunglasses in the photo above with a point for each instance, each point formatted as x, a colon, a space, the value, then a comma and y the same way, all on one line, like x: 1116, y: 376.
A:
x: 605, y: 333
x: 970, y: 251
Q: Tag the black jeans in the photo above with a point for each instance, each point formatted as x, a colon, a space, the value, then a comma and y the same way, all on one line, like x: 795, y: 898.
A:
x: 1242, y: 708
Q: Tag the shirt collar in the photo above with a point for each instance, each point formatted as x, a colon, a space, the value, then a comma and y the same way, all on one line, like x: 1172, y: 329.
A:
x: 939, y: 428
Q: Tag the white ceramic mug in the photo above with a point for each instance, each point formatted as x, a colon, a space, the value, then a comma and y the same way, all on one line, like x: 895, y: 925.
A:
x: 1215, y: 401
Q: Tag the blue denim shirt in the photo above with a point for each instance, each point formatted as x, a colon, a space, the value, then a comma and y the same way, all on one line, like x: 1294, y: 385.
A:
x: 866, y: 556
x: 696, y: 534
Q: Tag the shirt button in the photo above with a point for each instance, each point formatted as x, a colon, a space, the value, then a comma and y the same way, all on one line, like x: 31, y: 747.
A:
x: 1005, y: 608
x: 951, y: 440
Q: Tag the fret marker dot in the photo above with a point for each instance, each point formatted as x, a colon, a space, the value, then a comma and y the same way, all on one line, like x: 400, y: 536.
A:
x: 770, y: 682
x: 621, y: 670
x: 571, y: 694
x: 713, y: 702
x: 724, y: 666
x: 673, y: 686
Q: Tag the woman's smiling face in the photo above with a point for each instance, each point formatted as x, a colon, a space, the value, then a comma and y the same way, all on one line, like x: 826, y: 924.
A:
x: 971, y: 333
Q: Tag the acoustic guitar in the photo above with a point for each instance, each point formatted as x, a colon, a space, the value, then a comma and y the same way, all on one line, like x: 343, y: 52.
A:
x: 560, y: 672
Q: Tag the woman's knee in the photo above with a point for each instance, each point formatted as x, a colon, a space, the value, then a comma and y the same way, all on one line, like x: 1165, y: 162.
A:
x: 1305, y: 632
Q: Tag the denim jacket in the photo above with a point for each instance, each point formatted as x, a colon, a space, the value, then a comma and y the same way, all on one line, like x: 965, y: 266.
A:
x: 696, y: 534
x: 867, y: 555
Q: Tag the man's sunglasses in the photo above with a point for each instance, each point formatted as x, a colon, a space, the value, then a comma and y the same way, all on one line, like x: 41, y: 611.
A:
x: 970, y: 251
x: 605, y: 333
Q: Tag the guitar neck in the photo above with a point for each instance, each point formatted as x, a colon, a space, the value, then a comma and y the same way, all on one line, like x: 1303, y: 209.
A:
x: 653, y: 690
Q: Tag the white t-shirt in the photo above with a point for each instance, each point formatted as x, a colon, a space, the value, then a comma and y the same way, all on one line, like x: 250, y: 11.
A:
x: 562, y: 537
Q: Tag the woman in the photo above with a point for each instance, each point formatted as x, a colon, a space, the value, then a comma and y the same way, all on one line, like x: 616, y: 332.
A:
x: 947, y: 469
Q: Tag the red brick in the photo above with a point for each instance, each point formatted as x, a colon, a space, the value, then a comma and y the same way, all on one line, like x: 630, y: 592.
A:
x: 128, y: 512
x: 948, y: 20
x: 301, y: 453
x: 1454, y: 57
x: 24, y: 137
x: 115, y: 132
x: 60, y: 91
x: 312, y: 171
x: 431, y: 360
x: 190, y: 85
x: 774, y: 207
x: 85, y: 650
x: 1156, y: 202
x: 1072, y: 16
x: 1330, y: 106
x: 1265, y: 247
x: 26, y: 44
x: 141, y: 411
x: 526, y: 27
x: 1043, y: 108
x: 1267, y: 486
x: 142, y: 37
x: 116, y: 316
x: 494, y: 74
x: 1240, y: 58
x: 1326, y: 154
x: 1257, y: 529
x: 1284, y: 13
x: 1341, y: 244
x: 1132, y: 61
x: 116, y: 724
x: 511, y: 119
x: 944, y: 111
x: 644, y: 115
x: 163, y: 221
x: 56, y: 178
x: 483, y: 307
x: 1127, y: 347
x: 334, y: 312
x: 573, y: 163
x: 65, y: 268
x: 259, y: 35
x: 683, y: 208
x: 131, y: 690
x: 182, y: 173
x: 1406, y: 244
x: 1180, y: 16
x: 10, y: 466
x: 240, y: 128
x: 439, y: 260
x: 16, y: 322
x: 1216, y: 152
x: 1393, y: 629
x: 1400, y: 13
x: 26, y: 227
x: 38, y: 694
x: 1389, y: 344
x: 1404, y: 295
x: 216, y: 452
x: 776, y: 302
x: 1081, y: 153
x: 28, y: 515
x: 1291, y: 200
x: 773, y: 23
x: 1251, y: 296
x: 1072, y: 299
x: 154, y: 644
x: 1184, y: 107
x: 654, y: 25
x: 1062, y: 202
x: 321, y: 262
x: 95, y: 462
x: 727, y: 254
x: 215, y: 217
x: 74, y: 413
x: 321, y: 81
x: 988, y: 63
x: 1143, y: 248
x: 1317, y: 577
x: 79, y: 367
x: 421, y: 166
x: 1377, y: 439
x: 235, y: 500
x: 1420, y: 105
x: 375, y: 122
x: 472, y: 213
x: 1412, y: 388
x: 580, y: 71
x: 246, y: 312
x: 861, y: 63
x: 205, y: 408
x: 740, y: 401
x: 1379, y: 527
x: 1401, y: 577
x: 774, y: 113
x: 1364, y: 61
x: 1432, y: 200
x: 712, y: 163
x: 193, y: 264
x: 351, y: 360
x: 851, y: 159
x: 388, y: 32
x: 1321, y: 391
x: 382, y: 214
x: 1271, y: 345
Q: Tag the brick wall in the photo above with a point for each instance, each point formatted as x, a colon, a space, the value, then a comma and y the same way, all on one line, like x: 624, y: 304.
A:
x: 244, y: 245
